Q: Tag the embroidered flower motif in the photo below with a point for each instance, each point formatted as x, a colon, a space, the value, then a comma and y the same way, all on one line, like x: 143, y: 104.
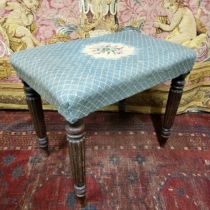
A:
x: 206, y: 6
x: 8, y: 159
x: 35, y: 160
x: 108, y: 50
x: 115, y: 160
x: 17, y: 172
x: 140, y: 159
x: 132, y: 177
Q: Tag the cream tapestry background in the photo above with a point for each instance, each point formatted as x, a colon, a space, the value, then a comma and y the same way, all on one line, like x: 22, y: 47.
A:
x: 30, y: 23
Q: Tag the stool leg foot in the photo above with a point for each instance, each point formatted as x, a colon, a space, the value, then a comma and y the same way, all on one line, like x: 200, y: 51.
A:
x: 35, y: 108
x: 76, y: 138
x: 174, y: 98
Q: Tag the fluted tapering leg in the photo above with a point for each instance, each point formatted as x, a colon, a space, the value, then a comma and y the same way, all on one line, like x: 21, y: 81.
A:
x: 76, y: 138
x: 174, y: 97
x: 35, y: 108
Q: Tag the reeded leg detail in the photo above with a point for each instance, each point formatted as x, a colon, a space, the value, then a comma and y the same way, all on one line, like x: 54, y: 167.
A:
x: 174, y: 97
x: 76, y: 138
x: 35, y: 108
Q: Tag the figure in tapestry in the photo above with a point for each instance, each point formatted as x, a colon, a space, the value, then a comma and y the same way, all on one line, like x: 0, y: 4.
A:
x: 17, y: 25
x: 184, y: 26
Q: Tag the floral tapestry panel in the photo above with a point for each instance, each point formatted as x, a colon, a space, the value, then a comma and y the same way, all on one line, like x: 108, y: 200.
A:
x: 31, y: 23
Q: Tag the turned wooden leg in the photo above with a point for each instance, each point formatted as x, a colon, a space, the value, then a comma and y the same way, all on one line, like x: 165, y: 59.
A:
x: 121, y: 106
x: 35, y: 108
x: 174, y: 98
x: 76, y: 138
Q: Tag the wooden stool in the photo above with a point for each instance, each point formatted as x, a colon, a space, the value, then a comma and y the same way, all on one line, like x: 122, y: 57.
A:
x: 78, y: 77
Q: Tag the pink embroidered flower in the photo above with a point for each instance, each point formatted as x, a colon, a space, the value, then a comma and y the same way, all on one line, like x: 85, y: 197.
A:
x: 206, y: 6
x: 46, y: 29
x: 68, y: 10
x: 46, y: 11
x: 151, y: 3
x: 70, y: 15
x: 129, y: 10
x: 52, y: 9
x: 57, y: 4
x: 65, y: 8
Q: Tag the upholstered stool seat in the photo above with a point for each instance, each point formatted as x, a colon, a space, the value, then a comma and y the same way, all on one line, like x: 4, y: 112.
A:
x: 81, y: 76
x: 78, y: 77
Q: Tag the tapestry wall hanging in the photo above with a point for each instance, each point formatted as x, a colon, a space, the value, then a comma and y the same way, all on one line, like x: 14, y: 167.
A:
x: 31, y: 23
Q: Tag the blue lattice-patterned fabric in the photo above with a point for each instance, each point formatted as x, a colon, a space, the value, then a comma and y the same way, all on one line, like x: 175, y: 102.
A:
x: 81, y: 76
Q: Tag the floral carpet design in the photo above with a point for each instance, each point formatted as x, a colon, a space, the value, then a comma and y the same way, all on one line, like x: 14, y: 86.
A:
x: 126, y: 167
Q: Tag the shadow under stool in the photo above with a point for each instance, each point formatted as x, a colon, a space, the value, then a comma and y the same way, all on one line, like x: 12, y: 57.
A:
x: 81, y: 76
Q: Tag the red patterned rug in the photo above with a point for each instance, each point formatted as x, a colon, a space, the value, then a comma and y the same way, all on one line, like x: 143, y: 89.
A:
x: 126, y: 167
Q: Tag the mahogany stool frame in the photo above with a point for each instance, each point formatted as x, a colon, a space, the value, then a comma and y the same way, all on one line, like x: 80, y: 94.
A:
x: 76, y: 132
